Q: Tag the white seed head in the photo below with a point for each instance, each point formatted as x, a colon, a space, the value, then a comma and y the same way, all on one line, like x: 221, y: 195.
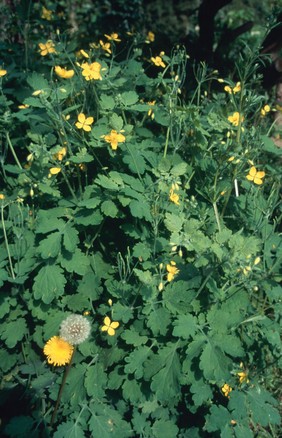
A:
x: 75, y: 329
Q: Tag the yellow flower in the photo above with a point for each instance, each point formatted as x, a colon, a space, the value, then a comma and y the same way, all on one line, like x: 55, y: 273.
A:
x: 158, y: 61
x: 113, y: 37
x: 84, y: 122
x: 109, y: 326
x: 2, y: 196
x: 23, y: 106
x: 63, y: 72
x: 255, y: 176
x: 243, y: 377
x: 265, y: 110
x: 237, y: 88
x: 82, y: 53
x: 46, y: 14
x: 3, y: 72
x: 235, y: 118
x: 46, y: 48
x: 105, y: 46
x: 226, y: 389
x: 228, y: 89
x: 60, y: 155
x: 91, y: 71
x: 172, y: 270
x: 150, y: 37
x: 114, y: 138
x: 54, y: 171
x: 58, y: 351
x: 150, y: 112
x: 174, y: 197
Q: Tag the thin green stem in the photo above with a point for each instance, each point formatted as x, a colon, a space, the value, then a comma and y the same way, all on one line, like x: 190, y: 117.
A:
x: 166, y: 141
x: 69, y: 186
x: 13, y: 150
x: 60, y: 393
x: 216, y: 216
x: 7, y: 243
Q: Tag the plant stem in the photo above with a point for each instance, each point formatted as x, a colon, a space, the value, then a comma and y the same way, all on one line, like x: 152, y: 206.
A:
x: 13, y: 150
x: 60, y: 393
x: 166, y: 141
x: 216, y: 215
x: 7, y: 243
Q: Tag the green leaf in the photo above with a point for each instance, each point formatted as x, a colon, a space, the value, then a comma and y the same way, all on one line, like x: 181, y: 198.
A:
x: 90, y: 286
x: 50, y: 246
x: 178, y: 297
x: 145, y: 277
x: 165, y: 383
x: 261, y: 406
x: 107, y: 102
x: 37, y: 81
x: 109, y: 208
x: 141, y: 250
x: 129, y: 98
x: 70, y: 238
x: 215, y: 365
x: 69, y: 429
x: 158, y: 321
x: 164, y: 429
x: 218, y: 418
x: 106, y: 422
x: 49, y: 283
x: 135, y: 361
x: 75, y: 262
x: 202, y: 393
x: 96, y: 380
x: 13, y: 332
x: 185, y: 326
x: 116, y: 122
x: 131, y: 337
x: 173, y: 222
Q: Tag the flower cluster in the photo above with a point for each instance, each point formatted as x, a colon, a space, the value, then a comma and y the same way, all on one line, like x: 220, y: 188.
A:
x: 233, y: 90
x: 236, y: 118
x: 226, y: 389
x: 172, y: 270
x: 158, y: 61
x: 265, y: 110
x: 91, y: 71
x: 174, y: 197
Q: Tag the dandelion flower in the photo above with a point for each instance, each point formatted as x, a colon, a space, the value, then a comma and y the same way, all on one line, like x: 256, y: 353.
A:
x: 75, y: 329
x: 114, y: 138
x: 46, y: 48
x: 255, y: 176
x: 109, y: 326
x: 58, y: 351
x: 84, y: 122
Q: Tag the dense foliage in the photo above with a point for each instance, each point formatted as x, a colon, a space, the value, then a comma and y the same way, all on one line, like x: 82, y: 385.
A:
x: 151, y: 209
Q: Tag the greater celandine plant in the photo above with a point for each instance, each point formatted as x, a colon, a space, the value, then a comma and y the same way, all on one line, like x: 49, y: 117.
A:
x: 150, y: 216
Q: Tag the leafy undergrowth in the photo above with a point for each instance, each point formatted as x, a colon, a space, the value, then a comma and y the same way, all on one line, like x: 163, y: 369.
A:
x: 151, y: 211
